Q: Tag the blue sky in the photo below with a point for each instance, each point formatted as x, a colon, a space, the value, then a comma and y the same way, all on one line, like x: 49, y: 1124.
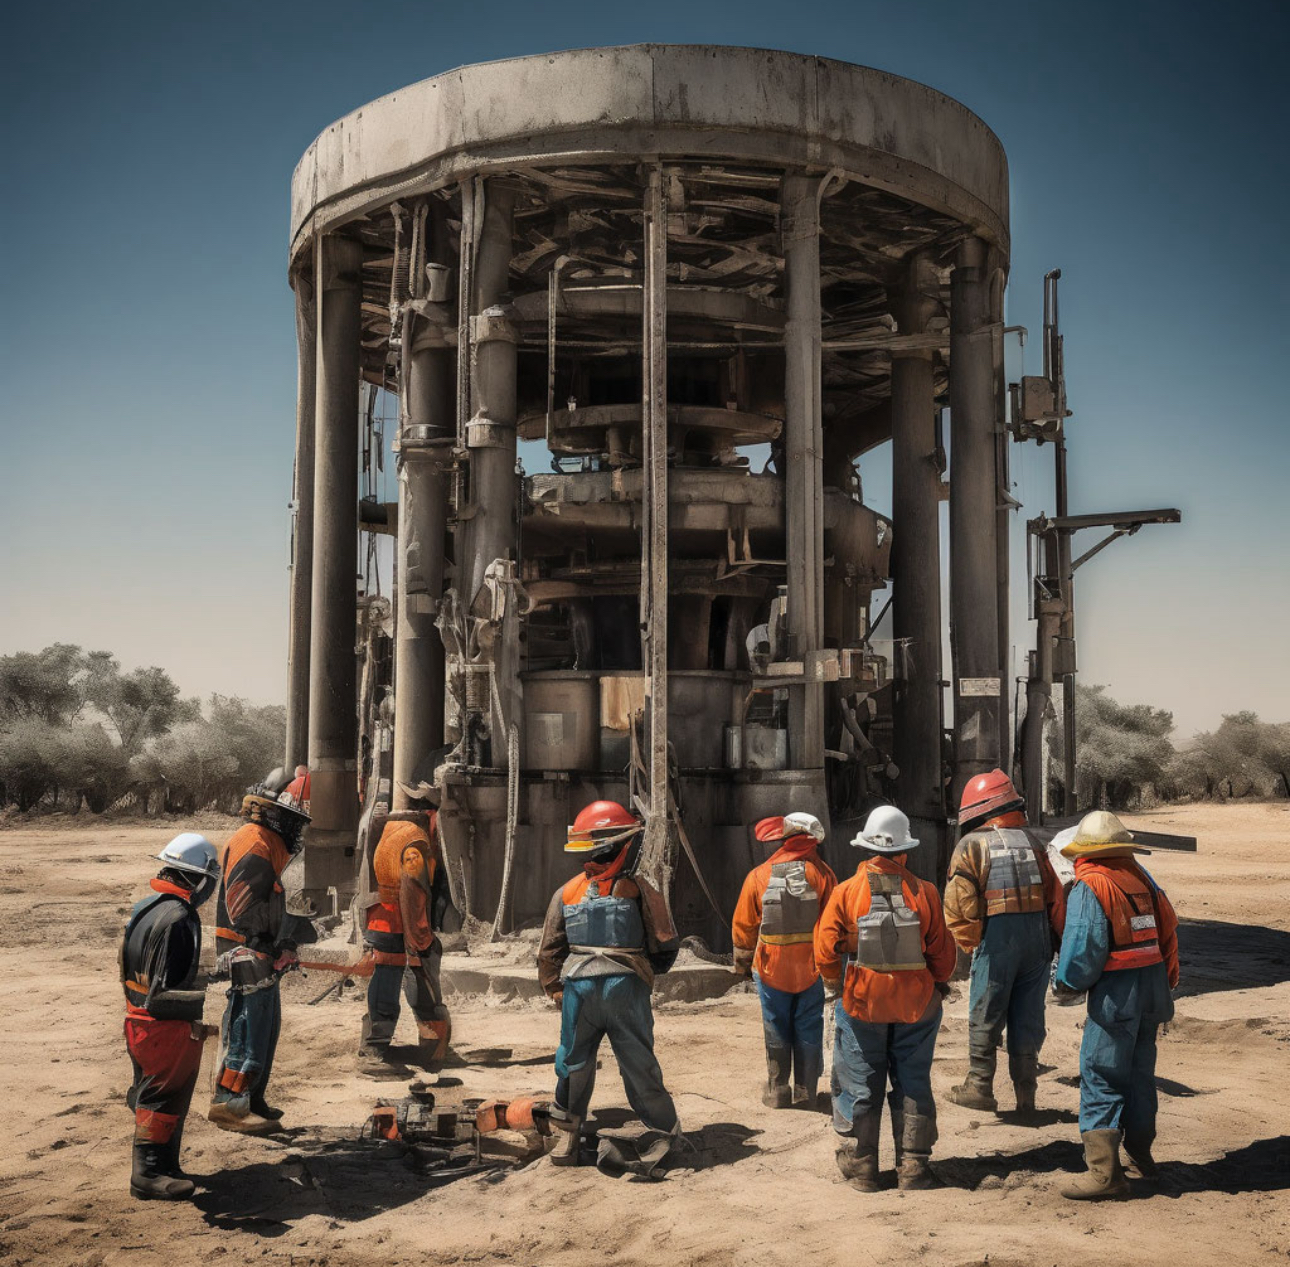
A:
x: 147, y: 347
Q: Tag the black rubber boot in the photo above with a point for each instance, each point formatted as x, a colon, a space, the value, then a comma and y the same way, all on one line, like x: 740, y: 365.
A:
x: 170, y: 1164
x: 1138, y: 1151
x: 779, y: 1064
x: 1024, y: 1068
x: 148, y: 1179
x: 261, y: 1107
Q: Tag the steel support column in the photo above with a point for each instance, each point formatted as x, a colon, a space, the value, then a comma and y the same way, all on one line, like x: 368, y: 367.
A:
x: 974, y: 608
x: 803, y: 460
x: 424, y: 447
x: 916, y: 565
x: 333, y: 720
x: 302, y: 525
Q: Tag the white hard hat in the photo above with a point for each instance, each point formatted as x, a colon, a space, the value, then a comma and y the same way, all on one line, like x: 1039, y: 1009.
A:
x: 193, y: 853
x: 802, y: 824
x: 886, y: 830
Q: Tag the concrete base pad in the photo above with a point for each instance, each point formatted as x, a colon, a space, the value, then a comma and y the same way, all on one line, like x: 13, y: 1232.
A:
x: 466, y: 974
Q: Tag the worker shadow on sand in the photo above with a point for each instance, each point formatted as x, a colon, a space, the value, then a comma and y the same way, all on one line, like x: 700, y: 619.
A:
x: 1263, y: 1166
x: 1217, y: 956
x: 345, y: 1182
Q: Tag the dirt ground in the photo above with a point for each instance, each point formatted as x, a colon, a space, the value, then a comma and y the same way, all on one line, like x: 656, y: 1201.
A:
x: 761, y: 1187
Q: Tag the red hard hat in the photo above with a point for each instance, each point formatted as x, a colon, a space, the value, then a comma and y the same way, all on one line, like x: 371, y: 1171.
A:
x: 296, y: 794
x: 986, y: 796
x: 601, y: 826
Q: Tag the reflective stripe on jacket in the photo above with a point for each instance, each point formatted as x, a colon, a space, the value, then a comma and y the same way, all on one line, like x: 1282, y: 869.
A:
x: 993, y: 872
x: 1137, y: 917
x: 895, y: 993
x: 773, y: 929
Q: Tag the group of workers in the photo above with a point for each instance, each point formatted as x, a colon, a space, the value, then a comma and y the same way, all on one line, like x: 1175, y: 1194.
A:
x: 879, y: 942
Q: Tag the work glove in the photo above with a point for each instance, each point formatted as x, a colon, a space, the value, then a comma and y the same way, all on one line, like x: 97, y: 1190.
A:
x: 286, y: 961
x: 558, y: 998
x: 200, y: 1033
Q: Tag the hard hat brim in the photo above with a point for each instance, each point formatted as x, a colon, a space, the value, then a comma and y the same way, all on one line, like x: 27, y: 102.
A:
x: 862, y: 842
x: 177, y: 865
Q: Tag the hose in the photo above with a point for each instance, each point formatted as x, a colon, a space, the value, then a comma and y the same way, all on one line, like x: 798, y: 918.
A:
x: 699, y: 949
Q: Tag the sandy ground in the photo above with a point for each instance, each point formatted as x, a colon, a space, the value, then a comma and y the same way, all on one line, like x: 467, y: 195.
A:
x: 762, y: 1187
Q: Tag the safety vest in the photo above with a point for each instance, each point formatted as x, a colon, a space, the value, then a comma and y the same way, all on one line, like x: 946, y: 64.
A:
x: 1013, y: 882
x: 790, y: 905
x: 889, y: 937
x: 134, y: 979
x: 1128, y: 900
x: 604, y: 923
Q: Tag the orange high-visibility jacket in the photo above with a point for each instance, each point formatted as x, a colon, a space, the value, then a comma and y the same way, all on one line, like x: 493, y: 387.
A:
x: 1144, y: 927
x: 876, y: 996
x: 250, y: 905
x: 783, y: 962
x: 405, y: 861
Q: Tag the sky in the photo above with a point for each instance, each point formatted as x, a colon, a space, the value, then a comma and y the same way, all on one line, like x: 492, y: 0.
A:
x: 147, y: 343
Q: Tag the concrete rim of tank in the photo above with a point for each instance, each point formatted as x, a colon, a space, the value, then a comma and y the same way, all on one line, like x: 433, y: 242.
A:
x: 691, y: 101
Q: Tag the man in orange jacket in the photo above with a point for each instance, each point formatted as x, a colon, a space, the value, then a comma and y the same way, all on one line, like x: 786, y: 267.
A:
x: 882, y: 941
x: 1121, y: 945
x: 401, y: 940
x: 774, y: 933
x: 1004, y: 906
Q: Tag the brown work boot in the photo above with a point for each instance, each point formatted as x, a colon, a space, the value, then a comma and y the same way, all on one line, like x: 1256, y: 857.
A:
x: 227, y: 1118
x: 148, y: 1178
x: 973, y: 1093
x: 1104, y: 1180
x: 568, y: 1142
x: 859, y: 1166
x: 915, y: 1173
x: 1138, y: 1152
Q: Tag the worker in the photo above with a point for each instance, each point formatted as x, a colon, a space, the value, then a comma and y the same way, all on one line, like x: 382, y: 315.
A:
x: 1004, y: 906
x: 607, y: 933
x: 1121, y: 945
x: 774, y: 938
x: 256, y: 938
x: 164, y: 1033
x: 400, y: 939
x: 885, y: 927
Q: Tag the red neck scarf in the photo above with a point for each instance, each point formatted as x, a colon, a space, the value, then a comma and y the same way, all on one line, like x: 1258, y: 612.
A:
x: 1013, y: 818
x: 597, y: 870
x: 166, y: 886
x: 793, y: 848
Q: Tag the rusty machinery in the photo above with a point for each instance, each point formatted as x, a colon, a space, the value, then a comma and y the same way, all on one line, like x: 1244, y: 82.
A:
x: 700, y: 282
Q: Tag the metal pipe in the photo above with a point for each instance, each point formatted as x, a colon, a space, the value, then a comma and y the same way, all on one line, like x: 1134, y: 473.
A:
x: 916, y: 562
x: 803, y: 459
x: 490, y: 434
x: 424, y: 448
x: 333, y: 720
x: 302, y: 525
x: 654, y: 536
x: 974, y: 611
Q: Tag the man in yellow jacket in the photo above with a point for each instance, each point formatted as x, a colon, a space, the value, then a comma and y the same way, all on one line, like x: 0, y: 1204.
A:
x: 773, y: 932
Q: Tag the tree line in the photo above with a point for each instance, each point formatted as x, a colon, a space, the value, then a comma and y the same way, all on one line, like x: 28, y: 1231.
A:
x: 1125, y: 758
x: 77, y: 732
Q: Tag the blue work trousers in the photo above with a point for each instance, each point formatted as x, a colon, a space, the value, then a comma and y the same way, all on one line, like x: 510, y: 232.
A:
x: 248, y: 1039
x: 617, y: 1006
x: 793, y: 1026
x: 1117, y: 1058
x: 867, y: 1056
x: 1009, y: 984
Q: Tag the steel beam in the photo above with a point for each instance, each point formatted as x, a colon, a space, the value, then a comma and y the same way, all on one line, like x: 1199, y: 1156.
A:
x: 803, y: 459
x: 302, y: 524
x: 916, y: 563
x: 333, y: 719
x: 974, y: 610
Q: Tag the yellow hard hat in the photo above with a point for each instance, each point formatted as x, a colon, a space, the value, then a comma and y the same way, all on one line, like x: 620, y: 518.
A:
x: 1100, y: 833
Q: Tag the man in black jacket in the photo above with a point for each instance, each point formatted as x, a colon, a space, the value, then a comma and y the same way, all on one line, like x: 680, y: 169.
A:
x: 163, y: 1014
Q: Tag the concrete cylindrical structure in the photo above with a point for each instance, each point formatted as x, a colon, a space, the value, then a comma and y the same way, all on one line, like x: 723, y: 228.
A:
x: 974, y: 612
x: 302, y: 525
x: 333, y: 722
x: 916, y: 562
